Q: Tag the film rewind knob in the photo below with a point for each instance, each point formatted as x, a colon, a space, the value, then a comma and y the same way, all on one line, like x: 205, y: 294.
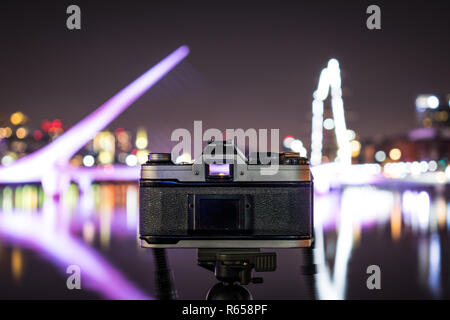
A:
x: 159, y: 158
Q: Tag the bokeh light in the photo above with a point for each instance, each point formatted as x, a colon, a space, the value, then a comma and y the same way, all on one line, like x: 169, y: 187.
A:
x: 356, y: 148
x: 21, y: 133
x: 380, y: 156
x: 328, y: 124
x: 17, y: 118
x: 131, y: 160
x: 395, y: 154
x: 287, y: 141
x: 88, y: 160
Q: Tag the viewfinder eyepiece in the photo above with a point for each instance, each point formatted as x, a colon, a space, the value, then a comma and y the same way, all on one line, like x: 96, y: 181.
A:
x: 219, y: 170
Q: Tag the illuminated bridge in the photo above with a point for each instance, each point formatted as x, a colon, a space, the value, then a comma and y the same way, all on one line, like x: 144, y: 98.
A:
x: 50, y: 165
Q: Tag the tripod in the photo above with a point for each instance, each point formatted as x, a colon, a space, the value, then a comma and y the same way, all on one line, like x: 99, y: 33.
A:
x: 233, y: 268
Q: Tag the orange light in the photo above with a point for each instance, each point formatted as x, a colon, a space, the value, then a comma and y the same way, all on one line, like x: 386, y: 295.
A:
x: 16, y: 264
x: 17, y: 118
x: 356, y: 148
x: 396, y: 218
x: 21, y: 133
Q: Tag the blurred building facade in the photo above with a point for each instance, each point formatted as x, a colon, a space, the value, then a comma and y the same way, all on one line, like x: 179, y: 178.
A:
x: 19, y: 137
x: 429, y: 141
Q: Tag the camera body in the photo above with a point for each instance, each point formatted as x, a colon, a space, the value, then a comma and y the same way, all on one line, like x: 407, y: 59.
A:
x: 224, y: 200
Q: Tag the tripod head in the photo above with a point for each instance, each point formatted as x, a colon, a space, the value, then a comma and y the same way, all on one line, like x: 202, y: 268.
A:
x: 233, y: 268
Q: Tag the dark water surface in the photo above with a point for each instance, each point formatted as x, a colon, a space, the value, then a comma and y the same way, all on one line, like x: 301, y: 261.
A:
x: 405, y: 232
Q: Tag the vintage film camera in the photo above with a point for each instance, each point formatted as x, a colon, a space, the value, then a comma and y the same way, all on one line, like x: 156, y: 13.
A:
x: 224, y: 200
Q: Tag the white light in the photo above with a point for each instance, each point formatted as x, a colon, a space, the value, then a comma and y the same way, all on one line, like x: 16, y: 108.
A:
x: 323, y: 87
x: 423, y: 209
x: 351, y: 134
x: 333, y: 63
x: 303, y: 153
x: 287, y: 141
x: 329, y: 81
x: 131, y: 160
x: 432, y: 165
x: 296, y: 145
x: 421, y: 102
x: 432, y: 102
x: 7, y: 160
x: 423, y: 166
x: 328, y: 124
x: 408, y: 167
x: 447, y: 172
x: 316, y: 132
x: 88, y: 160
x: 415, y: 168
x: 380, y: 156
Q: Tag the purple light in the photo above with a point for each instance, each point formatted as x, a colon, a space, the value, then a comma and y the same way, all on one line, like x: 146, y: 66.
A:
x: 422, y: 133
x: 55, y: 156
x: 110, y: 173
x: 63, y: 249
x: 219, y: 169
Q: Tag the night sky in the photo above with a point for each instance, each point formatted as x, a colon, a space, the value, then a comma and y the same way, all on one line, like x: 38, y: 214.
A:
x: 253, y: 64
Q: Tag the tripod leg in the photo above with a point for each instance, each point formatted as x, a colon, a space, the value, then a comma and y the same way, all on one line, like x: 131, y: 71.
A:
x: 309, y: 270
x: 163, y: 276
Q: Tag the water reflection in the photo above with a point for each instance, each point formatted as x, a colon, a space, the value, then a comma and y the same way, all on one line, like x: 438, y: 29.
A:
x: 53, y: 227
x: 405, y: 231
x: 356, y: 209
